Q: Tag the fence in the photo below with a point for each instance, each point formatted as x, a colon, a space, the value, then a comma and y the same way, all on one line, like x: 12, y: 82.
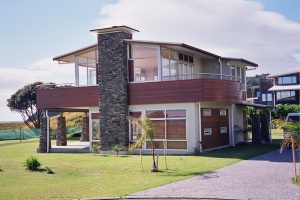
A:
x: 20, y: 134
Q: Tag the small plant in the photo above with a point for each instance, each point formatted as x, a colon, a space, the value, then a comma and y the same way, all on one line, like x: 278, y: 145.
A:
x: 32, y: 163
x: 117, y: 149
x: 96, y: 148
x: 1, y: 169
x: 49, y: 170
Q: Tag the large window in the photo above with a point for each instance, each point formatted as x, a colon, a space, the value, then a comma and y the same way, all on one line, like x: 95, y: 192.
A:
x: 286, y: 95
x: 287, y: 80
x: 145, y: 61
x: 176, y: 66
x: 169, y: 128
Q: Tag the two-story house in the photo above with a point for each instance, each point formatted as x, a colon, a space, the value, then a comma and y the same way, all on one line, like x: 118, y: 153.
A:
x: 191, y: 96
x: 286, y: 86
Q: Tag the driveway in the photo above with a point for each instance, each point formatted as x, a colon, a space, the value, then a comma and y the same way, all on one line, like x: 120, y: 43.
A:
x: 264, y: 177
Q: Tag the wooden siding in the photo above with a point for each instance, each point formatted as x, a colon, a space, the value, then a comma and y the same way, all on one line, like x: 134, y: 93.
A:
x: 69, y: 97
x: 215, y: 121
x: 221, y: 91
x: 194, y: 90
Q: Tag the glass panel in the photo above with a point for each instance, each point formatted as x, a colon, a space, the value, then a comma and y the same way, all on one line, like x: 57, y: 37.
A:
x: 233, y: 71
x: 294, y: 79
x: 176, y: 129
x: 140, y: 51
x: 92, y: 77
x: 278, y: 95
x: 263, y: 97
x: 158, y: 129
x: 157, y: 144
x: 135, y: 130
x: 238, y: 72
x: 155, y: 113
x: 180, y: 56
x: 280, y: 80
x: 136, y: 114
x: 83, y: 75
x: 177, y: 145
x: 95, y: 129
x: 176, y: 113
x: 165, y: 68
x: 173, y: 69
x: 286, y: 80
x: 165, y: 53
x: 173, y: 55
x: 146, y: 69
x: 269, y: 97
x: 285, y: 95
x: 293, y: 95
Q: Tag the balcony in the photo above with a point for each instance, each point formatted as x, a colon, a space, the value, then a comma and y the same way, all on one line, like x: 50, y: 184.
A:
x: 202, y: 87
x: 66, y: 96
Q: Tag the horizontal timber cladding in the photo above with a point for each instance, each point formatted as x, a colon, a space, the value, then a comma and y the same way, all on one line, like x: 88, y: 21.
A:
x: 165, y: 92
x: 68, y: 97
x: 221, y: 91
x: 194, y: 90
x: 215, y: 121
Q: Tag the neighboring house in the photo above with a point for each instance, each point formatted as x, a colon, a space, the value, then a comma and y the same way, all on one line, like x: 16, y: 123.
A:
x: 260, y: 94
x: 191, y: 96
x: 286, y: 86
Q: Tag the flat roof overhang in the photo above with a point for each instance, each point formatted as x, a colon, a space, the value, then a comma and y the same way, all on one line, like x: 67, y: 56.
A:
x: 255, y: 105
x: 284, y: 87
x: 115, y: 29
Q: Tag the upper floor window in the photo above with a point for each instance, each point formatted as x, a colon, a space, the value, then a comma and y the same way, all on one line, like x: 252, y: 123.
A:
x: 145, y: 62
x: 287, y: 80
x: 176, y: 66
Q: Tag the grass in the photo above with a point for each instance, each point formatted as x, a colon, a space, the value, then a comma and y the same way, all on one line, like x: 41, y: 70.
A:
x: 277, y: 135
x: 88, y: 176
x: 298, y: 182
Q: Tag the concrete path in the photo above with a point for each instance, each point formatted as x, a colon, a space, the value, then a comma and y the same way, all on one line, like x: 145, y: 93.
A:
x: 264, y: 177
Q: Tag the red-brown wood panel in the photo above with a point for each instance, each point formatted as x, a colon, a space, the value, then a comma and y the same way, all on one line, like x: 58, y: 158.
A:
x: 215, y: 121
x: 131, y: 70
x: 165, y: 92
x: 68, y: 97
x: 195, y: 90
x: 221, y: 91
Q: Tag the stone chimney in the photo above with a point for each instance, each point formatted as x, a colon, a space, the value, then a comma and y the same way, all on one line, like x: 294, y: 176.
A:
x: 112, y: 80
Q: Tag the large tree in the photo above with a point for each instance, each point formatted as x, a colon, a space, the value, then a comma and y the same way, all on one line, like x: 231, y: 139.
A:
x: 24, y: 102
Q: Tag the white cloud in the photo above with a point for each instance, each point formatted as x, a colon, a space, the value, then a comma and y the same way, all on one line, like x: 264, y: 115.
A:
x: 235, y: 28
x: 12, y: 79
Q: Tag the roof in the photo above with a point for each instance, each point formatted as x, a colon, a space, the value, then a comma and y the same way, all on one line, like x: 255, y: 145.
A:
x: 284, y: 87
x: 115, y: 29
x: 256, y: 105
x: 286, y: 72
x: 70, y: 57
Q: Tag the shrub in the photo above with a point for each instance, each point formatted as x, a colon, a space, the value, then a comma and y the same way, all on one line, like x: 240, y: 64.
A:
x: 96, y: 148
x: 49, y: 170
x: 32, y: 163
x: 116, y: 149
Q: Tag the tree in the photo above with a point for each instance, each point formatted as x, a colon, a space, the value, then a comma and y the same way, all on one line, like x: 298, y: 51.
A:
x: 24, y: 102
x: 145, y: 125
x: 282, y: 110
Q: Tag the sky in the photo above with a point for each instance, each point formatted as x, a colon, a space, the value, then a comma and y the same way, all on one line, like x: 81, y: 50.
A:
x: 32, y: 32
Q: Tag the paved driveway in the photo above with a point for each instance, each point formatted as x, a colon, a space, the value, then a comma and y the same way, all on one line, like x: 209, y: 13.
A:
x: 263, y: 177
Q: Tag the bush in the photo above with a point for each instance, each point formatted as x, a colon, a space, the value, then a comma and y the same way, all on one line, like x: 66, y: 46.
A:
x: 282, y: 110
x: 117, y: 149
x: 49, y: 170
x: 32, y: 163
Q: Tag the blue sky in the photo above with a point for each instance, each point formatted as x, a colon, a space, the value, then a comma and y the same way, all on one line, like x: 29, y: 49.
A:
x: 34, y: 31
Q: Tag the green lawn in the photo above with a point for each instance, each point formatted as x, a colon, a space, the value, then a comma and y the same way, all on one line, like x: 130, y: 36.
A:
x: 87, y: 175
x: 277, y: 135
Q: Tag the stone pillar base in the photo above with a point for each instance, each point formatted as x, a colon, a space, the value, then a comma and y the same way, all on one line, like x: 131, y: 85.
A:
x: 61, y: 137
x: 85, y: 136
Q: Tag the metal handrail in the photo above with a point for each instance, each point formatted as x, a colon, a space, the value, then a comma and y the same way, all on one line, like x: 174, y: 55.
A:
x: 201, y: 76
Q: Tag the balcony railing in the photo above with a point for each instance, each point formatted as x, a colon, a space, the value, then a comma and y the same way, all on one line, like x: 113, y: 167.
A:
x: 201, y: 76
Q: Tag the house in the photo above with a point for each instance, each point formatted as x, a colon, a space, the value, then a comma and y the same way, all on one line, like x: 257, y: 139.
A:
x: 260, y: 93
x: 191, y: 96
x: 286, y: 86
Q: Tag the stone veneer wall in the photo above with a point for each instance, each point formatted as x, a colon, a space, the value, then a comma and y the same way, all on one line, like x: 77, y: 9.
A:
x: 113, y: 79
x: 264, y: 122
x: 85, y: 130
x: 61, y: 137
x: 43, y: 136
x: 256, y: 131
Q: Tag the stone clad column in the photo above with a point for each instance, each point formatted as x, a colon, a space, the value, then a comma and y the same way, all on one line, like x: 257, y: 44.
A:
x: 113, y: 79
x: 61, y: 137
x: 85, y: 130
x: 43, y: 136
x: 264, y: 128
x: 256, y: 131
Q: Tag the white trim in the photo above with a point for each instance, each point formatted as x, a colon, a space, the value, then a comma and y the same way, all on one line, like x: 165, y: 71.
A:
x: 232, y: 125
x: 76, y: 71
x: 199, y: 124
x: 48, y: 134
